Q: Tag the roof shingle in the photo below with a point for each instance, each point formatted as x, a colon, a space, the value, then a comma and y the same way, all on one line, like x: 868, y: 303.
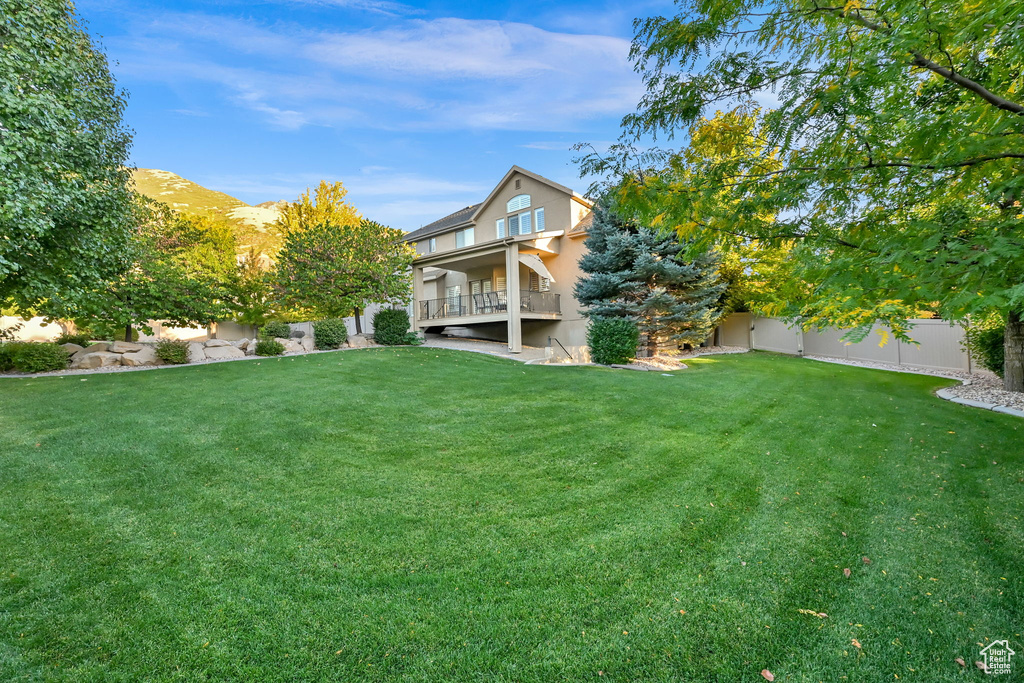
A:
x: 450, y: 221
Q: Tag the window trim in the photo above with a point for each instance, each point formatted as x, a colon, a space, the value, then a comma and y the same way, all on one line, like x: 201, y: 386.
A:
x: 431, y: 245
x: 538, y: 219
x: 499, y: 226
x: 468, y: 236
x: 518, y: 203
x: 529, y: 222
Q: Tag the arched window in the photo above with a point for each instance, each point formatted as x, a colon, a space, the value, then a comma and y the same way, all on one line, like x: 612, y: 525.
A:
x: 518, y: 203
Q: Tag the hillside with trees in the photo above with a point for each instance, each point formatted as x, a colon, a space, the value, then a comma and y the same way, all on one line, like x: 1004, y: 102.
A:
x: 253, y: 225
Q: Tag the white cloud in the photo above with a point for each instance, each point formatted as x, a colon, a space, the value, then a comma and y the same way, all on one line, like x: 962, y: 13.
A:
x: 379, y: 6
x: 442, y: 74
x: 285, y: 119
x: 403, y: 200
x: 408, y: 185
x: 469, y: 48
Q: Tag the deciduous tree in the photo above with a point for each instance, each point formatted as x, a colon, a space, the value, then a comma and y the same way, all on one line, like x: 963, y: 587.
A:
x: 177, y: 274
x: 891, y: 157
x: 333, y: 271
x: 250, y: 289
x: 65, y: 201
x: 324, y: 204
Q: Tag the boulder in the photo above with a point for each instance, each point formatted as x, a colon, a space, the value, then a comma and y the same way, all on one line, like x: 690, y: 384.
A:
x: 97, y: 359
x: 215, y: 343
x: 223, y: 352
x: 93, y: 348
x: 297, y: 334
x: 307, y: 344
x: 196, y: 352
x: 290, y: 345
x: 72, y: 349
x: 124, y: 347
x: 144, y: 356
x: 358, y: 341
x: 242, y: 344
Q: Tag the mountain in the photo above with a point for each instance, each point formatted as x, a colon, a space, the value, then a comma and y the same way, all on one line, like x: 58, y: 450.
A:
x: 251, y: 223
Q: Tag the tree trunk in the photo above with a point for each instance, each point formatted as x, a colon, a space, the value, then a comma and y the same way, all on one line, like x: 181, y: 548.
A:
x: 128, y: 333
x: 1013, y: 366
x: 359, y: 323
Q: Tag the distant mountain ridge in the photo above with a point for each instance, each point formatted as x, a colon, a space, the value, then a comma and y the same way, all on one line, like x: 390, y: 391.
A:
x: 251, y: 223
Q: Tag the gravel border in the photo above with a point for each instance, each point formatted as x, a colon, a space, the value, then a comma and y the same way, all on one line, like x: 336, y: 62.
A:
x: 980, y: 389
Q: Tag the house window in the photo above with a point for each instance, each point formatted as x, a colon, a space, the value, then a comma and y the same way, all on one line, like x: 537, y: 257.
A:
x: 539, y: 218
x: 513, y: 226
x: 538, y: 283
x: 454, y: 303
x: 479, y: 289
x: 518, y: 203
x: 524, y: 223
x: 431, y: 245
x: 464, y: 238
x: 500, y: 223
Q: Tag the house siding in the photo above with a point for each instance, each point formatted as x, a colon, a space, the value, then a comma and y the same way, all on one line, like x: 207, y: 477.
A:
x: 562, y: 212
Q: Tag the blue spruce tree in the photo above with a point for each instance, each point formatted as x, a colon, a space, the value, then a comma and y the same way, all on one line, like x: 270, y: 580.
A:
x: 641, y: 274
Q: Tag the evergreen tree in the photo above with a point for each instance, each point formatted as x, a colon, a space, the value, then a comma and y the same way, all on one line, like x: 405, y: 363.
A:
x: 638, y: 273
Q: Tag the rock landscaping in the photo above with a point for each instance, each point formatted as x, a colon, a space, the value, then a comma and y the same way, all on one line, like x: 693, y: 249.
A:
x: 119, y: 355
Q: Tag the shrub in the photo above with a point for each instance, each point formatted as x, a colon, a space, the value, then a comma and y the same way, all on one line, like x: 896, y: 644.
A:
x: 269, y: 347
x: 7, y: 356
x: 80, y: 338
x: 986, y: 342
x: 612, y: 340
x: 276, y: 328
x: 391, y: 327
x: 33, y: 357
x: 329, y: 333
x: 173, y: 351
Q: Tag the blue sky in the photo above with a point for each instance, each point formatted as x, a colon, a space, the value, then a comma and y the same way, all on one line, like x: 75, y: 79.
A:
x: 418, y: 108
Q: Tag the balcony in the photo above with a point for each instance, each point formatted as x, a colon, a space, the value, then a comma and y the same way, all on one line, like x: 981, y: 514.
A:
x: 488, y: 306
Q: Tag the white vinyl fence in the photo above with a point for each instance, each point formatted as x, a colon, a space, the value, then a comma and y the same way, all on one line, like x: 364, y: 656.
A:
x: 939, y: 343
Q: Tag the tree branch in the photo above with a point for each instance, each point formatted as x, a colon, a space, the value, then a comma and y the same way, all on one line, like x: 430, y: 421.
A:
x: 923, y: 62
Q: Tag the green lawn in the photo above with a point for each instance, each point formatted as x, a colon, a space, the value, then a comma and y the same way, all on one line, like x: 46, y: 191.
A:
x: 427, y: 515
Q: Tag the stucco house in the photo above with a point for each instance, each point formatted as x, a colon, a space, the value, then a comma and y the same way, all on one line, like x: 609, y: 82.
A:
x: 504, y: 269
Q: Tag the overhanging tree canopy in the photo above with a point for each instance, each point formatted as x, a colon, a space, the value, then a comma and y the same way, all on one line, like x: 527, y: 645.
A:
x: 178, y: 272
x: 65, y: 202
x: 892, y: 156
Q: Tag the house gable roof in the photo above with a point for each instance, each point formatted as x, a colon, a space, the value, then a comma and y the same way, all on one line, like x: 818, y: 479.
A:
x: 529, y: 174
x: 583, y: 227
x: 468, y: 215
x: 452, y: 220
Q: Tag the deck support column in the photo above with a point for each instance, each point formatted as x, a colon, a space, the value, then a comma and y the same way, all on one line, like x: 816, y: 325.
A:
x: 417, y: 296
x: 515, y: 318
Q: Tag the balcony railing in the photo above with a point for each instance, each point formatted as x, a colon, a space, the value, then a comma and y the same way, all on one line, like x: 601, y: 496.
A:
x: 486, y: 303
